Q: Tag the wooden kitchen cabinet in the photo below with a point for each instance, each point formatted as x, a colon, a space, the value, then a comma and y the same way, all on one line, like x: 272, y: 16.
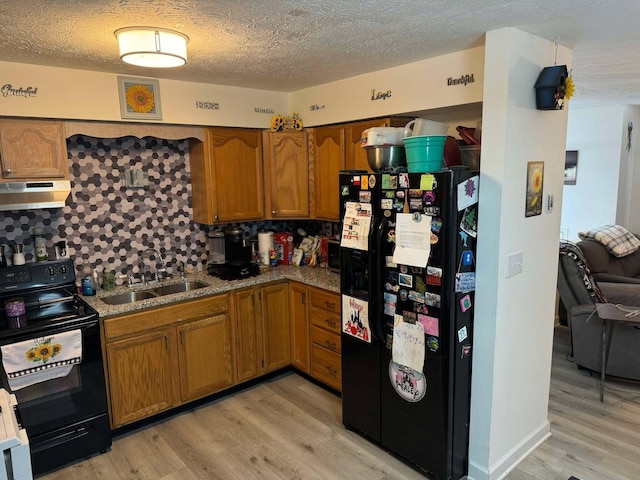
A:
x: 163, y: 357
x: 286, y: 174
x: 227, y: 176
x: 299, y: 326
x: 262, y: 330
x: 142, y: 375
x: 33, y: 150
x: 324, y: 315
x: 327, y: 159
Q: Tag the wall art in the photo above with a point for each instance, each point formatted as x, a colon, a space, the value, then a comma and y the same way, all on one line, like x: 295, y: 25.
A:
x: 535, y: 178
x: 570, y: 167
x: 139, y: 98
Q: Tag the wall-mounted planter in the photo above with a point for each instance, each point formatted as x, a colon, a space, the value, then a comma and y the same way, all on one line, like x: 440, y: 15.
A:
x: 550, y: 88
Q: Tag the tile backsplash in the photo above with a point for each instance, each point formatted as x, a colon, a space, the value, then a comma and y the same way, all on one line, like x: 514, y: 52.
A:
x: 110, y: 224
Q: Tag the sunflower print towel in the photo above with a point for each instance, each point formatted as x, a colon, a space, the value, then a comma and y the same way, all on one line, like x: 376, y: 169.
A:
x: 42, y: 358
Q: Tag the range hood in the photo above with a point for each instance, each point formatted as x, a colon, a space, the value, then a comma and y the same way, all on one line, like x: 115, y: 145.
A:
x: 34, y: 195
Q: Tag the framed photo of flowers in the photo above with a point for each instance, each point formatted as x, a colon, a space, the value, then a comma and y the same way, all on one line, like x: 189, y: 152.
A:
x: 139, y: 98
x: 535, y: 178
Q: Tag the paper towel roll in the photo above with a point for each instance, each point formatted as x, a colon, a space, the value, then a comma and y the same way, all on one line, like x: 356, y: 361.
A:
x: 265, y: 241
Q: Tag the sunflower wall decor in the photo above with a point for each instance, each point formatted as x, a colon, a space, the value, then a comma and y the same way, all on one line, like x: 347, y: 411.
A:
x: 139, y: 98
x: 535, y: 179
x: 280, y: 123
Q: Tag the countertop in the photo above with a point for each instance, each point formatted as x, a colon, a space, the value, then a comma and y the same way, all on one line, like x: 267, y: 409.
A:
x: 316, y: 277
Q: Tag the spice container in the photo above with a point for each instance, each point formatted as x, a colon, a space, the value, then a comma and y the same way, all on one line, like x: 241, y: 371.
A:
x: 108, y: 280
x: 40, y: 244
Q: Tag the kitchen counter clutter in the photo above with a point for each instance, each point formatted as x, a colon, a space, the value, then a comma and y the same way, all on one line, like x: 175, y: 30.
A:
x: 202, y: 335
x: 317, y: 277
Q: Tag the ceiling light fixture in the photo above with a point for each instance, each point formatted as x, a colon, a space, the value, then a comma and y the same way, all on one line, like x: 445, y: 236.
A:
x: 152, y: 47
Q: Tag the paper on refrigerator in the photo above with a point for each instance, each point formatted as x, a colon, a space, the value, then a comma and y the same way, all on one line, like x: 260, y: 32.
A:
x: 356, y: 225
x: 413, y: 239
x: 408, y: 344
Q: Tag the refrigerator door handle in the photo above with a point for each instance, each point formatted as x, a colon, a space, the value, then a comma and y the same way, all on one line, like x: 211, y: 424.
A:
x: 377, y: 329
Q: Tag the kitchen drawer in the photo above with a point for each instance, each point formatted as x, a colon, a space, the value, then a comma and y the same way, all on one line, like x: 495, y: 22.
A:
x: 325, y: 300
x: 328, y: 340
x: 323, y: 319
x: 326, y: 367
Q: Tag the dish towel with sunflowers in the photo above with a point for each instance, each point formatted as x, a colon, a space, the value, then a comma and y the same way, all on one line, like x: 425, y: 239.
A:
x: 42, y: 358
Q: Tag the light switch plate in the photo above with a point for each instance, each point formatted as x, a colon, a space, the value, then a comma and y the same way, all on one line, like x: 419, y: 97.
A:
x: 514, y: 264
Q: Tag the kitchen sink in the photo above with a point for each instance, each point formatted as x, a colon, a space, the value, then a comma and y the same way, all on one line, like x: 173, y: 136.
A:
x: 128, y: 297
x: 181, y: 287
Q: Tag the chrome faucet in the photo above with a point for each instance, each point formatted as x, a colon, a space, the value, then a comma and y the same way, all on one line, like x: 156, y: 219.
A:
x: 143, y: 267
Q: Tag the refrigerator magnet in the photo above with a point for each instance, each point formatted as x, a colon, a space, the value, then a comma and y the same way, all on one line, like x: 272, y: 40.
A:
x: 435, y: 271
x: 416, y: 296
x: 372, y: 181
x: 434, y: 280
x: 462, y: 334
x: 385, y: 182
x: 433, y: 344
x: 468, y: 192
x: 355, y: 318
x: 405, y: 280
x: 344, y: 190
x: 432, y: 299
x: 428, y: 197
x: 409, y: 384
x: 464, y: 237
x: 364, y: 181
x: 467, y: 258
x: 469, y: 222
x: 403, y: 180
x: 386, y: 204
x: 415, y: 193
x: 436, y: 224
x: 364, y: 196
x: 465, y: 282
x: 430, y: 325
x: 465, y: 303
x: 427, y: 182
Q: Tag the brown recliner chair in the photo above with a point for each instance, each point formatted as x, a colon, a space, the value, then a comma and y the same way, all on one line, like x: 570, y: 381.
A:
x: 586, y: 326
x: 608, y: 268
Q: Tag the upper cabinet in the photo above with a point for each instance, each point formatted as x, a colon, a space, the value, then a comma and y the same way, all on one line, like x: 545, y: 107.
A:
x: 226, y: 176
x: 33, y: 149
x: 286, y: 174
x: 327, y: 159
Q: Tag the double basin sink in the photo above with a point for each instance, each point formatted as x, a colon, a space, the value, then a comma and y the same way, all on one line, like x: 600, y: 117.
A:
x: 159, y: 291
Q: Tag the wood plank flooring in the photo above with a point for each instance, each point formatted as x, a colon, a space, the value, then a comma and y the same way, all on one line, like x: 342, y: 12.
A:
x: 290, y: 428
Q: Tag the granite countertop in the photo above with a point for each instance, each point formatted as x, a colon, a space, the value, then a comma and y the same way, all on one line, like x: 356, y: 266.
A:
x: 316, y: 277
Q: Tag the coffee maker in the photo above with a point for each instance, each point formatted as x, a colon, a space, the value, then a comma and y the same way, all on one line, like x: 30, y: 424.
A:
x: 237, y: 253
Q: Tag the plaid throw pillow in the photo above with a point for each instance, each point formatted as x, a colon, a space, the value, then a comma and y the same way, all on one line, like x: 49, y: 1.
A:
x: 616, y: 239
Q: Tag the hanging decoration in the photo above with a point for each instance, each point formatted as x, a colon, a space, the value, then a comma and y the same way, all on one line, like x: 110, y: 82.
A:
x: 554, y: 86
x: 280, y: 123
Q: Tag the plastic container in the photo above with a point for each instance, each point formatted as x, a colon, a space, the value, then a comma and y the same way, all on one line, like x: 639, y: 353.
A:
x: 40, y: 244
x: 87, y: 279
x: 470, y: 156
x: 375, y: 136
x: 424, y: 154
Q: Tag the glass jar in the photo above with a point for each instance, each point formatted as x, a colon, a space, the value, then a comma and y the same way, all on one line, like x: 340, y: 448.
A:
x: 40, y: 245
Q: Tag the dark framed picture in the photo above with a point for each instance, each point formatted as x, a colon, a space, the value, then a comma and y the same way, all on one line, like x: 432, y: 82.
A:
x: 570, y: 167
x: 139, y: 98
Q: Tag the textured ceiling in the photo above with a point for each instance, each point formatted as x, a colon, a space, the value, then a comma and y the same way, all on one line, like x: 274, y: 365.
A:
x: 287, y: 45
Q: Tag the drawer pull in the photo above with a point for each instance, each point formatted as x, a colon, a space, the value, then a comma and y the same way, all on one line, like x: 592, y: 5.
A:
x: 331, y: 322
x: 331, y: 345
x: 330, y: 304
x: 332, y: 371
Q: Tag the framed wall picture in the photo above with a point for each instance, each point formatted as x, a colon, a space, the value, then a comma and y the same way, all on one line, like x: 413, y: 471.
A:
x: 139, y: 98
x: 570, y: 167
x: 535, y: 178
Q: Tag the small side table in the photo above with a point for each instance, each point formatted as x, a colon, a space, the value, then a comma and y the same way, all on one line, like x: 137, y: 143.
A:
x: 610, y: 314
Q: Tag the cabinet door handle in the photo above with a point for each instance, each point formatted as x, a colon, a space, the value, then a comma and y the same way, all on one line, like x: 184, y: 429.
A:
x: 215, y: 217
x: 330, y: 304
x: 331, y: 322
x: 273, y: 212
x: 166, y: 341
x: 304, y: 298
x: 7, y: 171
x: 332, y: 371
x: 181, y: 337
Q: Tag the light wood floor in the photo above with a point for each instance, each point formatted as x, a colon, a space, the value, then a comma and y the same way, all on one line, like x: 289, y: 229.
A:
x: 290, y: 428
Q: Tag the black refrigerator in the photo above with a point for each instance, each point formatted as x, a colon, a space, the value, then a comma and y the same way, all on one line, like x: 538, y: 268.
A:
x: 407, y: 265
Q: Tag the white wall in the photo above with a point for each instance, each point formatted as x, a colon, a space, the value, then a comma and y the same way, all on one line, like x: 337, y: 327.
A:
x: 596, y: 134
x: 81, y: 94
x: 514, y: 317
x: 628, y: 194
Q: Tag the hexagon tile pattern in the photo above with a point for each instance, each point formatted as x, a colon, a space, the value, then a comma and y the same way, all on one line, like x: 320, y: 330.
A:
x: 109, y: 224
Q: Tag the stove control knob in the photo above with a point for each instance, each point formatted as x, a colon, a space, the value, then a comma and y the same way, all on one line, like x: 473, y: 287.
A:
x: 63, y: 269
x: 51, y: 271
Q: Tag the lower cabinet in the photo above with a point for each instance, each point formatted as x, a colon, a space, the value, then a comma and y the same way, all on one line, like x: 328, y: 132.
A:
x: 160, y: 358
x: 315, y: 333
x: 262, y: 329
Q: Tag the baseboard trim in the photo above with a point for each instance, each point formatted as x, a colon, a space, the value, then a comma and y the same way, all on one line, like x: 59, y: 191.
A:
x: 512, y: 458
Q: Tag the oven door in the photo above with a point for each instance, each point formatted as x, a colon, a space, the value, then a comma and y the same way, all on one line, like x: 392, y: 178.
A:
x: 66, y: 418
